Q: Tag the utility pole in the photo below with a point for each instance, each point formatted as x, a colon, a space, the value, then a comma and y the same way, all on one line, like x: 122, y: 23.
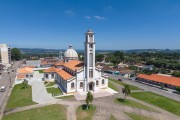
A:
x: 9, y: 79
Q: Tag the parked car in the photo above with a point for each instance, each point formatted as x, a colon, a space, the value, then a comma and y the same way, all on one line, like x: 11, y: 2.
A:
x: 119, y: 79
x: 3, y: 88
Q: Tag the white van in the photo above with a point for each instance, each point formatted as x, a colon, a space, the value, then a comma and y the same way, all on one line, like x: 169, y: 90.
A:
x: 3, y: 88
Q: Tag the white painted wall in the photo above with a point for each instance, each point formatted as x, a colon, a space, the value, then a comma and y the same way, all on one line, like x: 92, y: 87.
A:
x: 69, y: 90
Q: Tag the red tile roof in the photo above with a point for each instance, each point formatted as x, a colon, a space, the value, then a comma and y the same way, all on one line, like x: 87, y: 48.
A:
x: 74, y: 65
x: 52, y: 69
x: 65, y: 75
x: 175, y: 81
x: 59, y: 63
x: 25, y: 70
x: 21, y: 76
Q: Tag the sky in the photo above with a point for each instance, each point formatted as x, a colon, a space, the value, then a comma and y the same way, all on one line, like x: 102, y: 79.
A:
x: 118, y: 24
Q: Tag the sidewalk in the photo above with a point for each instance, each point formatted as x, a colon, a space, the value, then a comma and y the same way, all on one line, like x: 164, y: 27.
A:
x: 39, y: 93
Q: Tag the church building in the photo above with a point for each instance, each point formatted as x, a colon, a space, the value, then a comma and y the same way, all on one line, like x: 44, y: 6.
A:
x: 73, y: 75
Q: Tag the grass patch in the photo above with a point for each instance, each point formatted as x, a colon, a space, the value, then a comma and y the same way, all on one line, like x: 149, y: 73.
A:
x: 20, y: 97
x: 40, y: 71
x: 85, y: 114
x: 112, y: 86
x: 50, y: 84
x: 54, y: 91
x: 112, y: 117
x: 121, y: 83
x: 67, y: 97
x: 50, y: 112
x: 131, y: 103
x: 159, y: 101
x: 137, y: 117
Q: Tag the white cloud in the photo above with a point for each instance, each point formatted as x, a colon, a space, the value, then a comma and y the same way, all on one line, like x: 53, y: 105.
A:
x: 99, y: 17
x: 88, y: 17
x: 70, y: 12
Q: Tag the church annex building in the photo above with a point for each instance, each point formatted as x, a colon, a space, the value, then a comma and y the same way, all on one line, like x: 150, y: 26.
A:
x: 73, y: 75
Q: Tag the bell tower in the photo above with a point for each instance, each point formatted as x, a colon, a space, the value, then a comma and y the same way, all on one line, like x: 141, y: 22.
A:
x: 89, y: 60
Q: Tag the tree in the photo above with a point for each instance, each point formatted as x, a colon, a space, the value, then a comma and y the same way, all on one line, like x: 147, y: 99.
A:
x: 126, y: 91
x: 25, y: 83
x: 15, y: 54
x: 99, y: 57
x: 89, y: 98
x: 178, y: 89
x: 176, y: 73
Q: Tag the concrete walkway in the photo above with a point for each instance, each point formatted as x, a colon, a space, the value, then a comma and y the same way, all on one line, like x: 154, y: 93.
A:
x: 39, y: 93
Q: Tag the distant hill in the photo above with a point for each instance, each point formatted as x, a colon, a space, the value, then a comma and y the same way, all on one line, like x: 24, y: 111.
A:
x: 56, y: 51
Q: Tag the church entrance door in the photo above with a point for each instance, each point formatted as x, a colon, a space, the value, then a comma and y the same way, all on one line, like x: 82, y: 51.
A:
x: 91, y: 86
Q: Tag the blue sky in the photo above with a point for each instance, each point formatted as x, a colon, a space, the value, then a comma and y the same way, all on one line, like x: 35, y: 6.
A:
x: 118, y: 24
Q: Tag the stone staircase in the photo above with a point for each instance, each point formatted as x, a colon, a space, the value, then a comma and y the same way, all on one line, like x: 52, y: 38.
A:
x: 82, y: 95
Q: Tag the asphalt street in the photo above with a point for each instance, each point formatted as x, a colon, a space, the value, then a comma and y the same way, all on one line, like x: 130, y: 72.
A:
x: 7, y: 79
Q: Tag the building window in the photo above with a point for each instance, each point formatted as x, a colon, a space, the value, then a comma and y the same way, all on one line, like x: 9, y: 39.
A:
x: 91, y: 45
x: 72, y: 85
x: 81, y: 84
x: 103, y: 81
x: 97, y: 83
x: 46, y: 75
x: 52, y: 75
x: 90, y: 60
x: 90, y: 73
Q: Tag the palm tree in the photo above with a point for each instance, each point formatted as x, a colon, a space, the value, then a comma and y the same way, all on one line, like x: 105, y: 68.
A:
x: 126, y: 91
x: 25, y: 83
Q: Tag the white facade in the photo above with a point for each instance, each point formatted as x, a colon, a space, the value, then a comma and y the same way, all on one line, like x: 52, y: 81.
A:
x: 86, y: 77
x: 5, y: 53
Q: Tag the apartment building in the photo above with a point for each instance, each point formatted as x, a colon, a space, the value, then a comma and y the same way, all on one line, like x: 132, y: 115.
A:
x: 5, y: 54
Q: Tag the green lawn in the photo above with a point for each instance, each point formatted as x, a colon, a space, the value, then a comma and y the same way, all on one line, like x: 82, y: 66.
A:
x: 131, y: 103
x: 40, y: 71
x: 20, y: 97
x: 159, y: 101
x: 85, y: 114
x: 51, y: 112
x: 112, y: 86
x: 54, y: 91
x: 121, y: 83
x: 112, y: 117
x: 50, y: 84
x: 137, y: 117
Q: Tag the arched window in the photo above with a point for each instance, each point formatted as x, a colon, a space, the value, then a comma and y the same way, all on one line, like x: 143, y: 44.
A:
x: 81, y: 84
x: 72, y: 85
x: 97, y: 83
x: 52, y: 75
x: 103, y: 81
